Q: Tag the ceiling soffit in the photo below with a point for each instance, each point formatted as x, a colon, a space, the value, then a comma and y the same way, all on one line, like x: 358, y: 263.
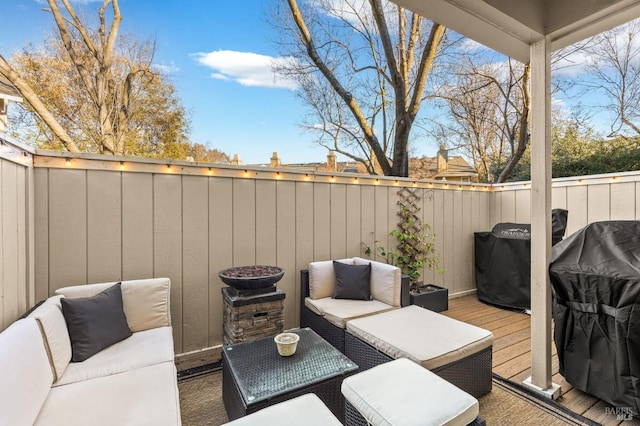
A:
x: 510, y: 27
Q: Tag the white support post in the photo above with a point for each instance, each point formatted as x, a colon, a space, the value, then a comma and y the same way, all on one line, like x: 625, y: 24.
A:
x: 540, y: 379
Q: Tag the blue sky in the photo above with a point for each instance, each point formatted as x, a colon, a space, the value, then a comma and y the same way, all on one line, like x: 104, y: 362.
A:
x: 217, y: 53
x: 233, y: 104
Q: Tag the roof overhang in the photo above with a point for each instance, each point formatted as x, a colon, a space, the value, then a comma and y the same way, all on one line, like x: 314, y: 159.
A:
x: 8, y: 91
x: 10, y: 98
x: 510, y: 27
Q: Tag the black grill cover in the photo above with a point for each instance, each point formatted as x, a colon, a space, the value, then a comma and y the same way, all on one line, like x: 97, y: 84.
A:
x: 595, y: 276
x: 503, y: 261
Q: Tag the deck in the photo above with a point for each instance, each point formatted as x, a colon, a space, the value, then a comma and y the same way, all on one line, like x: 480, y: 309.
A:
x: 512, y: 354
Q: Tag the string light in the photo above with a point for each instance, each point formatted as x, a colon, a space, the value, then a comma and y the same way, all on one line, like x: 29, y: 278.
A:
x: 306, y: 176
x: 4, y: 148
x: 168, y: 168
x: 68, y: 162
x: 210, y: 171
x: 122, y: 165
x: 246, y: 173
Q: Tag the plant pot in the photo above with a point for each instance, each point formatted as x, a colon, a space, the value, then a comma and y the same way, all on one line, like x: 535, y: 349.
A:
x: 430, y: 296
x: 287, y: 343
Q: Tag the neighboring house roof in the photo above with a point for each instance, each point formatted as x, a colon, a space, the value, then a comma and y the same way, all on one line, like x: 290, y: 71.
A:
x: 427, y: 168
x: 8, y: 90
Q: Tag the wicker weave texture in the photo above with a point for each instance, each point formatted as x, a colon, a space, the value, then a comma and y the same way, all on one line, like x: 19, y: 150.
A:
x: 231, y: 397
x: 255, y: 376
x: 352, y: 417
x: 329, y: 332
x: 471, y: 374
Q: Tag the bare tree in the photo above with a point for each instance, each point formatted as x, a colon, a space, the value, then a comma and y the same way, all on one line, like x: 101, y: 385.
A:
x: 614, y: 68
x: 96, y: 91
x: 488, y: 105
x: 29, y: 94
x: 362, y: 67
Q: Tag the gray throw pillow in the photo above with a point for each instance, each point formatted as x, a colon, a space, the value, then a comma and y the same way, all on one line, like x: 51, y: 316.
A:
x: 352, y: 281
x: 95, y: 323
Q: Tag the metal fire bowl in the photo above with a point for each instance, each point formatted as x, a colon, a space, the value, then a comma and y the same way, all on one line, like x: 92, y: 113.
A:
x: 250, y: 283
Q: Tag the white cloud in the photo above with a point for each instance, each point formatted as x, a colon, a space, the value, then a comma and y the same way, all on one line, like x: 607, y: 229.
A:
x: 245, y: 68
x: 571, y: 65
x: 469, y: 45
x: 218, y: 76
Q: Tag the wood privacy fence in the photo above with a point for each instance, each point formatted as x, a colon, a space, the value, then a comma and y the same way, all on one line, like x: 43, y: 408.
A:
x: 93, y: 219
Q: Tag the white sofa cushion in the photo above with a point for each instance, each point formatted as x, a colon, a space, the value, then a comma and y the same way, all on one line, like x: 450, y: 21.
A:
x: 144, y: 396
x: 306, y: 410
x: 419, y: 397
x: 339, y: 311
x: 385, y: 281
x: 52, y: 323
x: 423, y: 336
x: 145, y: 302
x: 25, y: 373
x: 142, y: 349
x: 322, y: 278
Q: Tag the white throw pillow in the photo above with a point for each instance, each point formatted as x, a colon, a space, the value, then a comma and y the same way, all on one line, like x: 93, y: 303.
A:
x: 145, y: 302
x: 385, y: 281
x: 322, y: 278
x: 56, y: 336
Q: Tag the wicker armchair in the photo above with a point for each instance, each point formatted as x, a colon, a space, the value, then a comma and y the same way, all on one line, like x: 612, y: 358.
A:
x: 330, y: 324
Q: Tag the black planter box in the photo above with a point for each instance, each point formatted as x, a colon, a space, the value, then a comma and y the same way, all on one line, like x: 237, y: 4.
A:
x: 437, y: 299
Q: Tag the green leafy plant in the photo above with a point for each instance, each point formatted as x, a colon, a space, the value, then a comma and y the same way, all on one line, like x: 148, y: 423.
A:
x: 416, y: 250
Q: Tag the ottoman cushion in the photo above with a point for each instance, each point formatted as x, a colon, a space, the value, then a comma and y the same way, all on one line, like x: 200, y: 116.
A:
x: 307, y: 409
x: 402, y: 393
x: 425, y: 337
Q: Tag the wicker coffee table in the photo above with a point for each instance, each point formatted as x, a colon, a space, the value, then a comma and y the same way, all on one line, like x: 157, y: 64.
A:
x: 255, y: 376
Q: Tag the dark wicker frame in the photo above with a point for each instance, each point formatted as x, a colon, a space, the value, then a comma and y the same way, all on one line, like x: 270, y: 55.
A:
x: 330, y: 332
x: 352, y: 417
x: 471, y: 374
x: 254, y: 356
x: 328, y: 391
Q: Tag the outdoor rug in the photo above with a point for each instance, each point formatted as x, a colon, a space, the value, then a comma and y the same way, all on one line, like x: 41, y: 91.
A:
x: 507, y: 404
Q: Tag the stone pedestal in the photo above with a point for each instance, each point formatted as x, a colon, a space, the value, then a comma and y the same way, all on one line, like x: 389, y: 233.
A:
x: 251, y: 315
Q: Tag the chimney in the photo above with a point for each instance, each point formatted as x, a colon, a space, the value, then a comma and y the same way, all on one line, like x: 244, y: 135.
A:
x: 236, y: 160
x: 275, y: 161
x: 332, y: 161
x: 442, y: 159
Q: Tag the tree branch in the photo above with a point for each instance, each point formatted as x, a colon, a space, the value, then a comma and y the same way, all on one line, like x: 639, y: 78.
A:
x: 29, y: 94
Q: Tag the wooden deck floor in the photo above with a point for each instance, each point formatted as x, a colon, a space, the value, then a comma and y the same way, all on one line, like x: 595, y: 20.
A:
x: 512, y: 354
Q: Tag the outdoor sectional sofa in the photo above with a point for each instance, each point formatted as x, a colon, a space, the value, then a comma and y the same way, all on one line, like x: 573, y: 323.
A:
x: 130, y: 382
x: 328, y: 316
x: 376, y: 331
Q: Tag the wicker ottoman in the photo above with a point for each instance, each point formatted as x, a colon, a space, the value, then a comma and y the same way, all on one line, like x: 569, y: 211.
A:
x: 402, y: 393
x: 307, y: 409
x: 458, y: 352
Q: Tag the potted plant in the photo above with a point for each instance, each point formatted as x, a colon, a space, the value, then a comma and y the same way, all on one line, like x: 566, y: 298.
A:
x: 416, y: 251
